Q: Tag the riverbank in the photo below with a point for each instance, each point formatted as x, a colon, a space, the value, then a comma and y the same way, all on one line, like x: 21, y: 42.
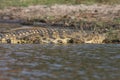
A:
x: 68, y: 15
x: 102, y: 19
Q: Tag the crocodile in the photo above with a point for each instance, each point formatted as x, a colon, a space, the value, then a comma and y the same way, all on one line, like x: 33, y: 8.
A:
x: 40, y: 35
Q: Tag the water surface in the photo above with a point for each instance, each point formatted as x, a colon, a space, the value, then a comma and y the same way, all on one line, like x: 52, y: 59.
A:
x: 60, y: 62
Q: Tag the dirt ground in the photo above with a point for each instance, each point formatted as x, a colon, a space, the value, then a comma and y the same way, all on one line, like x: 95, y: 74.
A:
x: 77, y: 12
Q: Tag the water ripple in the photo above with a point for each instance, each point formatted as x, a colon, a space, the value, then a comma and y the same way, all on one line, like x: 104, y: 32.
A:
x: 60, y: 62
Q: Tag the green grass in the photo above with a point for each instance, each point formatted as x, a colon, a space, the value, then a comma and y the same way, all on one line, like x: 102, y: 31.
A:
x: 7, y: 3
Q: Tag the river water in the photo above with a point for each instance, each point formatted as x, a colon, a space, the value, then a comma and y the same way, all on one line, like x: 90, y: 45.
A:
x: 60, y: 62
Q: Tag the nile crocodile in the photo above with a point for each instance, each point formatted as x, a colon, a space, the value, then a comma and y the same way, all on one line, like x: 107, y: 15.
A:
x: 49, y: 35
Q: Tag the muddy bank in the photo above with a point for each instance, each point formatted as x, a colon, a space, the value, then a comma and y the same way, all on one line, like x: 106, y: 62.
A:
x: 65, y: 15
x: 53, y: 13
x: 99, y: 19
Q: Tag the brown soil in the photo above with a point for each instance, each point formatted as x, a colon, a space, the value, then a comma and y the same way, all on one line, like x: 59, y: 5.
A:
x: 67, y: 15
x: 74, y: 12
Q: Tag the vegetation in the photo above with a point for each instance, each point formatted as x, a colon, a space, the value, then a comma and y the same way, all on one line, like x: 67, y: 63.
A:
x: 7, y: 3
